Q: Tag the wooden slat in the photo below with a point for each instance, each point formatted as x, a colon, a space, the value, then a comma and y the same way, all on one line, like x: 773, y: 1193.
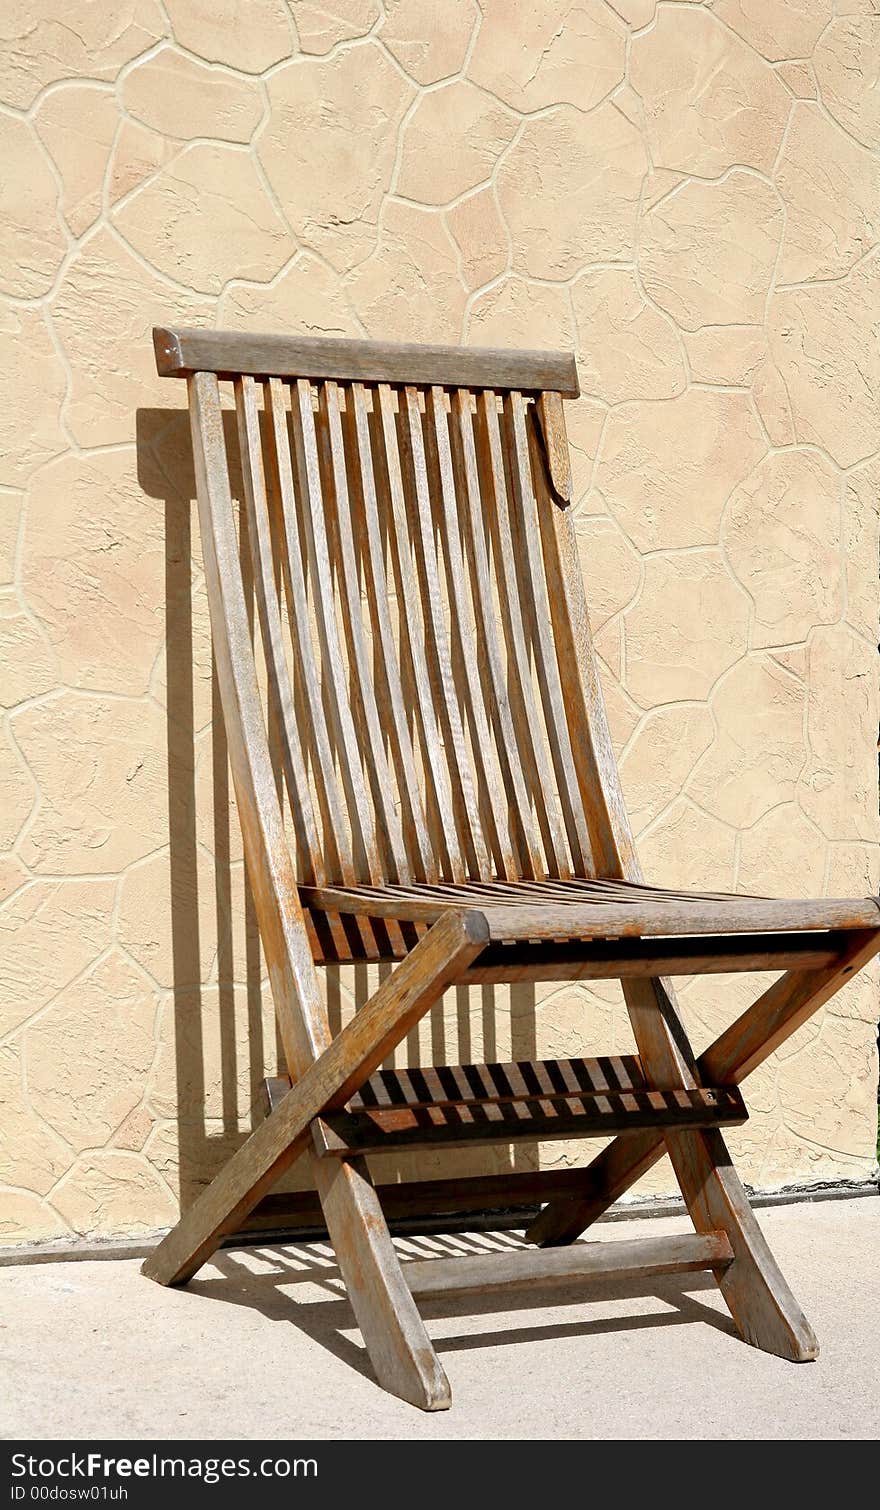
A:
x: 538, y: 620
x: 642, y: 1258
x: 389, y: 689
x: 613, y: 915
x: 710, y: 954
x: 447, y: 1085
x: 372, y: 746
x: 334, y: 682
x: 416, y: 484
x: 491, y: 800
x: 521, y: 693
x: 228, y: 353
x: 412, y: 651
x: 525, y: 834
x: 620, y: 959
x: 280, y: 687
x: 539, y: 1099
x: 336, y: 840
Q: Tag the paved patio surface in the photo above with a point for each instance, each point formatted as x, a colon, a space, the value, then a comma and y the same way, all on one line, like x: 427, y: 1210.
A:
x: 261, y: 1345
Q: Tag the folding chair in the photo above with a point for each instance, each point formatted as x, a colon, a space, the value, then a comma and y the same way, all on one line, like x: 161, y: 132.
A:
x: 424, y: 778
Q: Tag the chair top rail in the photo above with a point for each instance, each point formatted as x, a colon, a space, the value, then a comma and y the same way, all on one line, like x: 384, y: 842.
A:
x: 180, y: 352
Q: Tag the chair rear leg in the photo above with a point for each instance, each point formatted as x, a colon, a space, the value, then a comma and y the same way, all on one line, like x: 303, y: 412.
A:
x: 400, y: 1349
x: 607, y: 1177
x: 764, y: 1309
x: 766, y: 1024
x: 757, y: 1295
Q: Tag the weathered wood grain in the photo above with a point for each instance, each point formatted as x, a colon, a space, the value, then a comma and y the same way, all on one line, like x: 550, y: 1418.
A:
x: 327, y: 1082
x: 739, y: 1050
x: 611, y: 916
x: 229, y: 353
x: 540, y: 1119
x: 587, y: 1262
x: 431, y: 678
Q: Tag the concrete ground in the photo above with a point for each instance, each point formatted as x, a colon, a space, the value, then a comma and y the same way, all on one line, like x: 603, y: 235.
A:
x: 263, y: 1345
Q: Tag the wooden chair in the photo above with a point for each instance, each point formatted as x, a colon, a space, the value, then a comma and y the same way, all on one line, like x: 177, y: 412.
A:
x: 424, y: 777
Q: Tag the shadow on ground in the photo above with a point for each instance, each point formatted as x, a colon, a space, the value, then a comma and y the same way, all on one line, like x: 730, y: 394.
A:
x: 271, y: 1289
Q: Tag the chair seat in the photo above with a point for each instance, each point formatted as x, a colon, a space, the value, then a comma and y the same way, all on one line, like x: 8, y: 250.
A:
x: 593, y: 913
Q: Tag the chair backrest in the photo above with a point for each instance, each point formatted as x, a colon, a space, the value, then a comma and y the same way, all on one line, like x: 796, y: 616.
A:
x: 430, y: 690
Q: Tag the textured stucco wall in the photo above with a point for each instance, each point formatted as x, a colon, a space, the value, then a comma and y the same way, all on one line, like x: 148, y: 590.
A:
x: 690, y: 194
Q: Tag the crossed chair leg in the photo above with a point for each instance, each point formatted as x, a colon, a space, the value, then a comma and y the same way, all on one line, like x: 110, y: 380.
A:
x: 400, y: 1350
x: 399, y: 1347
x: 764, y: 1310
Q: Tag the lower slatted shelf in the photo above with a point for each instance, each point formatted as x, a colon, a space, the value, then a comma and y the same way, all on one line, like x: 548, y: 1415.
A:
x: 537, y: 1099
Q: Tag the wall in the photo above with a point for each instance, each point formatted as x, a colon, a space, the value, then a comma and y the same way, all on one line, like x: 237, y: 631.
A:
x: 689, y: 194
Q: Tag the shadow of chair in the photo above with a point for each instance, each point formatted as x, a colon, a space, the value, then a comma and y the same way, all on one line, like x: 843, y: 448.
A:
x: 231, y: 1279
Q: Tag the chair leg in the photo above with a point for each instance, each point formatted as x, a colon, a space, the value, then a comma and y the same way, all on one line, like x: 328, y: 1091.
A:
x: 606, y: 1178
x: 765, y: 1311
x: 763, y: 1307
x: 766, y: 1024
x: 400, y: 1350
x: 759, y: 1299
x: 328, y: 1081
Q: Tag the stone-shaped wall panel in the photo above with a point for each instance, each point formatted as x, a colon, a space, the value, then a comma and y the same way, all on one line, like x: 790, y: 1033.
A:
x: 687, y: 196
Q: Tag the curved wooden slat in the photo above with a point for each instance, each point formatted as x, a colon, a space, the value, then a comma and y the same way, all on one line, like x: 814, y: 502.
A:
x: 389, y: 688
x: 524, y: 711
x: 537, y: 617
x: 271, y: 628
x: 336, y: 835
x: 412, y: 651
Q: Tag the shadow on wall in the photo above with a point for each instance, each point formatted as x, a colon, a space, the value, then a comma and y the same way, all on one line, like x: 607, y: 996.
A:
x: 165, y: 473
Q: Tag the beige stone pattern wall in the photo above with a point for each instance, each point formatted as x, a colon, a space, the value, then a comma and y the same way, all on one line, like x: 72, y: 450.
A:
x: 689, y: 194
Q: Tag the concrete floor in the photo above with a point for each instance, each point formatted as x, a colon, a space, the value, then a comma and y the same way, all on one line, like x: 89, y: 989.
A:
x: 262, y: 1345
